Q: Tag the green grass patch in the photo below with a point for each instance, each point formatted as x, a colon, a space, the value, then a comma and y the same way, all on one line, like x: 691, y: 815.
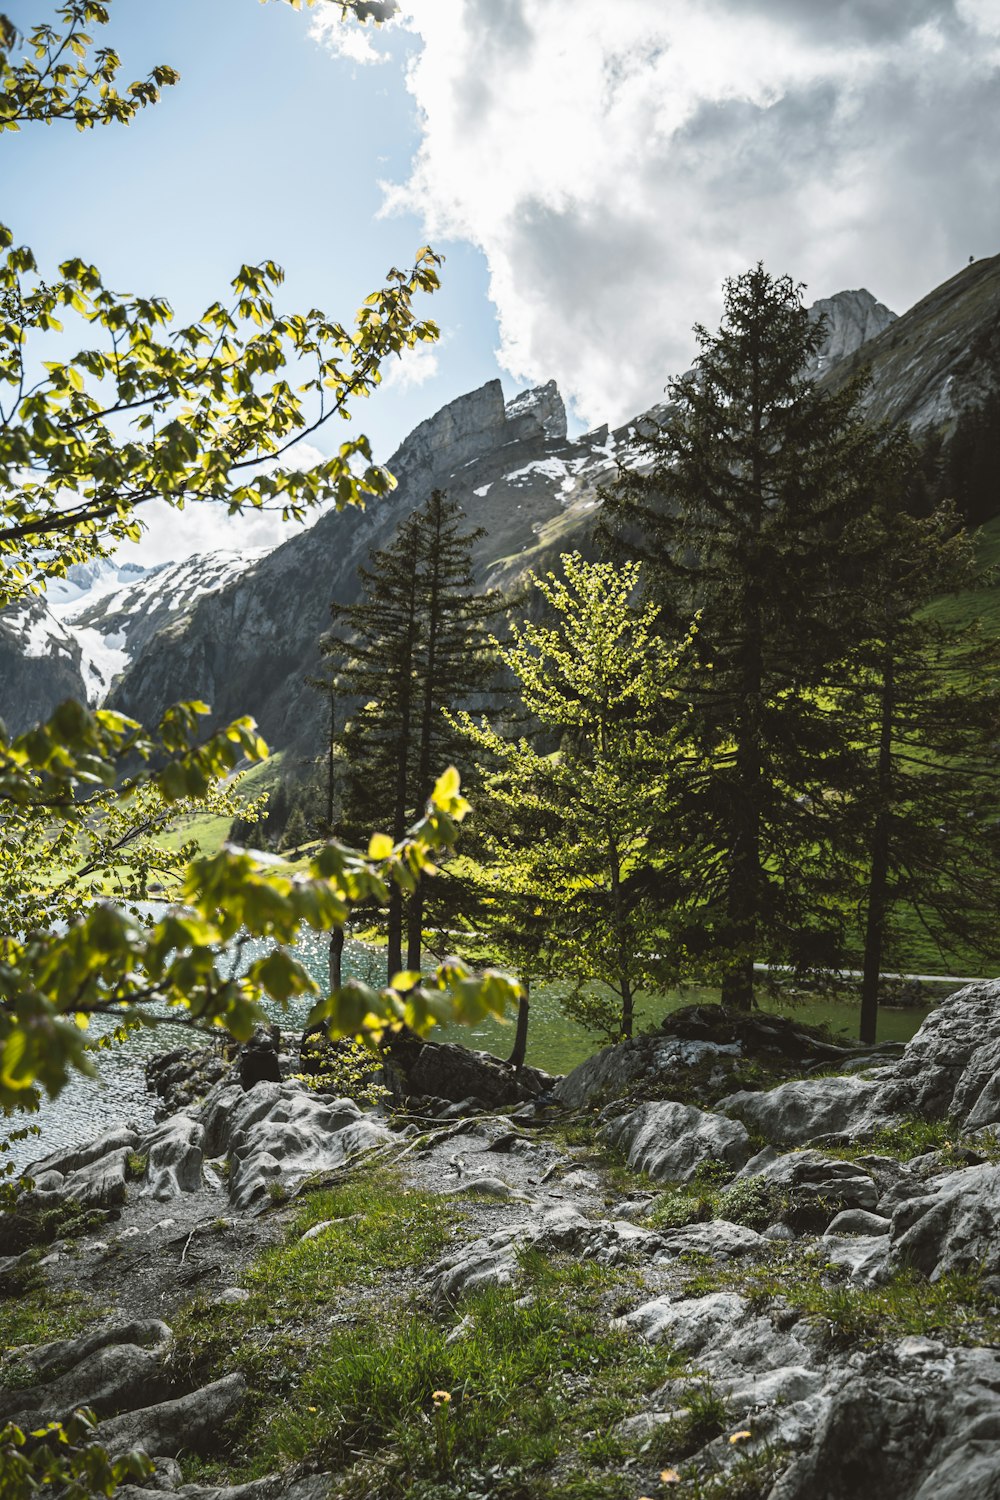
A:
x: 38, y: 1315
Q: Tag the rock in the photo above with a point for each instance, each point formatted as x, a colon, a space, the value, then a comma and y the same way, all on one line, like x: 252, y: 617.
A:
x: 49, y: 1360
x: 101, y: 1183
x: 864, y: 1257
x: 232, y: 1296
x: 858, y: 1221
x: 637, y: 1065
x: 805, y: 1109
x: 258, y: 1060
x: 490, y: 1261
x: 68, y: 1162
x: 174, y: 1158
x: 447, y: 1071
x: 273, y: 1487
x: 189, y: 1424
x: 954, y: 1226
x: 814, y: 1187
x: 950, y: 1067
x: 718, y: 1240
x: 670, y: 1141
x: 279, y: 1132
x: 918, y: 1423
x: 115, y: 1377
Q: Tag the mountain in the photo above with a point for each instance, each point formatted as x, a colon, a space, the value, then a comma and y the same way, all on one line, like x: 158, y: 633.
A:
x: 83, y: 633
x: 243, y: 632
x: 249, y: 646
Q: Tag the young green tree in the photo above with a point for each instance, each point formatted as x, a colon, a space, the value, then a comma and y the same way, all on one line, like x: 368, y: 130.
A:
x: 411, y: 648
x: 594, y: 680
x: 921, y: 704
x: 200, y: 413
x: 737, y: 507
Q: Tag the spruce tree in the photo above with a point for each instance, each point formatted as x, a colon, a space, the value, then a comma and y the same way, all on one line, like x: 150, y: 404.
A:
x: 920, y: 699
x: 413, y: 646
x: 737, y: 502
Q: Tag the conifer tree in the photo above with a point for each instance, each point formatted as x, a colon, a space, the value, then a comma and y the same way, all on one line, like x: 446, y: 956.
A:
x: 413, y: 646
x: 920, y: 698
x: 737, y: 504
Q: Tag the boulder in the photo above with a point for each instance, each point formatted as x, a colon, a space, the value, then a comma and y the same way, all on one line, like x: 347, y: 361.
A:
x: 717, y: 1240
x: 49, y: 1360
x: 71, y: 1160
x: 954, y: 1226
x: 949, y: 1068
x: 916, y: 1423
x: 669, y: 1142
x: 643, y: 1064
x: 115, y: 1377
x: 813, y: 1184
x: 806, y: 1109
x: 174, y: 1158
x: 101, y: 1183
x: 189, y: 1424
x: 446, y: 1071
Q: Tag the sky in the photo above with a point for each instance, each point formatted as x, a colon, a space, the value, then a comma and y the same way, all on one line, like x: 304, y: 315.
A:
x: 592, y: 173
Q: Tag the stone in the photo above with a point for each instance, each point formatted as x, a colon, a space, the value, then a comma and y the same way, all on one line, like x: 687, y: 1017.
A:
x: 912, y: 1424
x: 232, y: 1296
x: 67, y: 1162
x: 954, y: 1226
x: 188, y: 1424
x: 49, y: 1360
x: 858, y: 1221
x: 718, y: 1240
x: 637, y: 1064
x: 281, y: 1133
x: 447, y: 1071
x: 174, y: 1158
x: 101, y: 1183
x: 670, y: 1141
x: 113, y: 1378
x: 258, y: 1060
x: 864, y: 1257
x: 814, y: 1185
x: 805, y: 1109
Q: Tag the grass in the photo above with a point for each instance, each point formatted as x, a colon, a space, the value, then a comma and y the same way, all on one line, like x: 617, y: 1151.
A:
x: 37, y: 1315
x: 956, y: 1307
x: 351, y: 1372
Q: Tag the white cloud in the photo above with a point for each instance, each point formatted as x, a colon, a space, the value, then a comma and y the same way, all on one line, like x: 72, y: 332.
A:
x: 615, y: 163
x: 346, y: 38
x: 411, y: 369
x: 171, y: 535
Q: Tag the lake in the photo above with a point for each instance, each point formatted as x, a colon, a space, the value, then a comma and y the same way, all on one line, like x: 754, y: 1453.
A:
x: 555, y: 1043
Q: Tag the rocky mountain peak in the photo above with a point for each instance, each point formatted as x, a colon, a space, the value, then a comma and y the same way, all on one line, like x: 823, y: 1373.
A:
x: 538, y: 412
x: 852, y: 318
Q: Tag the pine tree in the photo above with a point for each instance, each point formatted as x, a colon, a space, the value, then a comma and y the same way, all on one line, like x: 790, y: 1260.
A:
x: 413, y: 646
x: 737, y: 506
x: 921, y: 703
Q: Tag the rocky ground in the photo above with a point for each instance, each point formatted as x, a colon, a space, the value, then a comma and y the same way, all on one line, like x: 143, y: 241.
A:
x: 667, y: 1273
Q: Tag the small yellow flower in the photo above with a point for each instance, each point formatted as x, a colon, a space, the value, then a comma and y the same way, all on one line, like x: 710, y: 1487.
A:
x: 312, y: 1408
x: 440, y: 1398
x: 740, y: 1437
x: 669, y: 1476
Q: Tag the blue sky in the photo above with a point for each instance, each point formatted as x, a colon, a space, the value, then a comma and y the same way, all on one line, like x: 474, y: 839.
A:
x: 592, y: 172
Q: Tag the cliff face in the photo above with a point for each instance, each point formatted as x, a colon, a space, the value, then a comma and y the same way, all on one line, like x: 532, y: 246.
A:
x: 40, y: 665
x: 939, y: 360
x: 249, y: 646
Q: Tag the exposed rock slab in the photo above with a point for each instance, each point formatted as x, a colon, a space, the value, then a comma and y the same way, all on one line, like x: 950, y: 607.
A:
x: 955, y: 1226
x: 807, y: 1109
x: 669, y: 1142
x: 189, y: 1424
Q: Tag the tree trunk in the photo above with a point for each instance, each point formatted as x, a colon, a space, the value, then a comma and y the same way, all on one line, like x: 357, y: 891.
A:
x: 336, y: 954
x: 878, y: 876
x: 415, y: 927
x: 516, y: 1058
x: 394, y: 934
x: 744, y: 884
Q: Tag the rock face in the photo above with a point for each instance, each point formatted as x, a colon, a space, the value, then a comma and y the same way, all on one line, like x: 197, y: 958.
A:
x: 669, y: 1142
x: 40, y: 665
x: 851, y: 319
x: 806, y: 1109
x: 248, y: 646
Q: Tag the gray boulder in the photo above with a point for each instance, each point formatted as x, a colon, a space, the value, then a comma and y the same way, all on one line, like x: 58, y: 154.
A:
x: 670, y: 1141
x: 49, y: 1360
x: 645, y: 1061
x: 175, y: 1156
x: 949, y: 1068
x: 189, y: 1424
x: 954, y: 1226
x: 71, y: 1160
x: 717, y: 1240
x: 810, y: 1181
x: 115, y: 1377
x: 807, y: 1109
x: 919, y: 1423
